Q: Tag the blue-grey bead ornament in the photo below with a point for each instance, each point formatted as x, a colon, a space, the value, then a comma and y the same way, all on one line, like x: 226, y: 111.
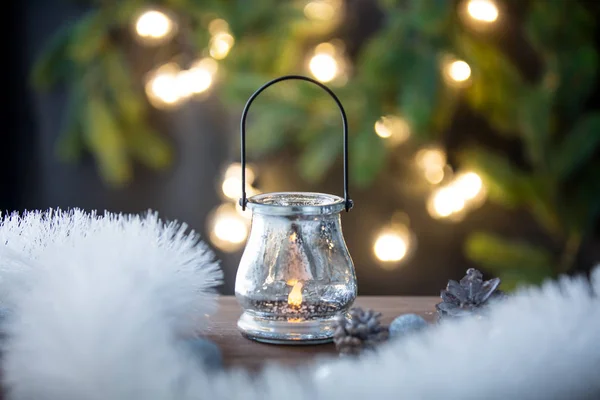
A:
x: 206, y: 352
x: 407, y: 324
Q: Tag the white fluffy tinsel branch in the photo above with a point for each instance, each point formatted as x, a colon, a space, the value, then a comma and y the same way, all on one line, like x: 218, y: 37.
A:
x: 93, y: 321
x: 95, y: 302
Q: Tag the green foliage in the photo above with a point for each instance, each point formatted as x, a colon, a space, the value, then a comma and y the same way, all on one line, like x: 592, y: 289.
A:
x: 510, y: 259
x: 70, y: 143
x: 577, y: 69
x: 418, y: 98
x: 368, y: 157
x: 105, y: 139
x: 503, y: 180
x: 534, y: 119
x: 495, y: 84
x: 398, y: 70
x: 578, y: 146
x: 52, y: 65
x: 557, y: 185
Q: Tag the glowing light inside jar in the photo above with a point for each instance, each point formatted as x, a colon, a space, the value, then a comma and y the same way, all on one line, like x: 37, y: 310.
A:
x: 295, y: 296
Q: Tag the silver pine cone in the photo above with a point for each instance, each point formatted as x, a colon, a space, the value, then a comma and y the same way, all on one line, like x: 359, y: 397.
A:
x: 358, y: 331
x: 470, y: 296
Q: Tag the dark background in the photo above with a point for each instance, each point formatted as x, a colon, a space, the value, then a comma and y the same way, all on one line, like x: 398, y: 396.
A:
x: 204, y: 135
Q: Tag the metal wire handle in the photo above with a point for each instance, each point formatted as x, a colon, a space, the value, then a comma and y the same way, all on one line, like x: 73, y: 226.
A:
x: 244, y: 199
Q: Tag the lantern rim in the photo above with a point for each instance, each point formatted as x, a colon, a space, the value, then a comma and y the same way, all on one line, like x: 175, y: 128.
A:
x: 296, y: 203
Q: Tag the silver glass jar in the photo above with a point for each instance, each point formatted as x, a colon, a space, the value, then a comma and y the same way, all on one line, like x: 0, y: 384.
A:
x: 296, y: 274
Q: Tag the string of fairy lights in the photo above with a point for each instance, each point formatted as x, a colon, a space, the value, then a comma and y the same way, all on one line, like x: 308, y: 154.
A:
x: 452, y: 195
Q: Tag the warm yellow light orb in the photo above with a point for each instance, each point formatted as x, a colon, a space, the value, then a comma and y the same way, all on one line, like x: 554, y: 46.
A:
x: 193, y: 81
x: 227, y: 228
x: 220, y: 45
x: 235, y: 170
x: 483, y: 10
x: 390, y: 247
x: 217, y: 26
x: 392, y: 127
x: 382, y: 130
x: 324, y: 67
x: 431, y: 159
x: 446, y: 201
x: 434, y: 175
x: 154, y: 25
x: 231, y: 229
x: 469, y: 185
x: 326, y: 48
x: 207, y: 64
x: 200, y: 80
x: 162, y: 88
x: 232, y: 187
x: 319, y: 10
x: 232, y: 184
x: 459, y: 71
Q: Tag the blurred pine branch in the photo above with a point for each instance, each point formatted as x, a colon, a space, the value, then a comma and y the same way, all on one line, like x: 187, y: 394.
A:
x: 397, y: 70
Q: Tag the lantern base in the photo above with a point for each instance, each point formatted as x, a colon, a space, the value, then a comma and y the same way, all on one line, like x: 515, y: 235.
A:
x: 291, y: 332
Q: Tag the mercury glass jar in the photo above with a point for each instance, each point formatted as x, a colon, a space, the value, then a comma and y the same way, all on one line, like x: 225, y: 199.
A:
x: 296, y: 274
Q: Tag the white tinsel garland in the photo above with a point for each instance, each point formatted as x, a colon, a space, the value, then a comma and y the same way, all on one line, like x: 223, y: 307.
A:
x: 98, y: 302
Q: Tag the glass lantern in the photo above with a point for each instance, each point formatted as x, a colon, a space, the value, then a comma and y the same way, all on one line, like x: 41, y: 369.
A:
x: 296, y: 274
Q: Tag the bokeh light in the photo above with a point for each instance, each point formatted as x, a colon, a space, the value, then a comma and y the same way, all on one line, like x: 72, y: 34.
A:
x: 324, y: 67
x: 394, y: 243
x: 232, y: 182
x: 154, y: 27
x: 445, y: 202
x: 465, y: 191
x: 235, y: 170
x: 430, y: 158
x: 220, y: 45
x: 217, y: 26
x: 319, y: 10
x: 482, y: 10
x: 458, y: 71
x: 228, y: 230
x: 168, y: 85
x: 162, y: 88
x: 469, y: 185
x: 392, y: 127
x: 431, y: 162
x: 193, y: 81
x: 434, y: 175
x: 390, y: 247
x: 328, y: 62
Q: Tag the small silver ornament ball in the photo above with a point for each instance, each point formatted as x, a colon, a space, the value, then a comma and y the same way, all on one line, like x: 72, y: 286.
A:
x: 407, y: 324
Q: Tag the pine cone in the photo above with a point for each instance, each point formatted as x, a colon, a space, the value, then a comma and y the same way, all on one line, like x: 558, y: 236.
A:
x: 469, y: 296
x: 360, y: 330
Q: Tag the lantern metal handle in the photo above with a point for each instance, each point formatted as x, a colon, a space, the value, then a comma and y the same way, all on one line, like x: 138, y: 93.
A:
x: 244, y: 199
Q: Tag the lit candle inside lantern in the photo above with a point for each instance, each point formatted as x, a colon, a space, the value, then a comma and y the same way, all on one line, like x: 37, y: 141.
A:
x: 295, y: 296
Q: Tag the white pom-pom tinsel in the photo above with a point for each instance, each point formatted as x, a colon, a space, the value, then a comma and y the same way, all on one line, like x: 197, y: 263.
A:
x: 98, y: 300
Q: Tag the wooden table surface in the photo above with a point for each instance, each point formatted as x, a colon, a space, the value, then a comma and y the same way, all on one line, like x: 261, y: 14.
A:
x: 241, y: 352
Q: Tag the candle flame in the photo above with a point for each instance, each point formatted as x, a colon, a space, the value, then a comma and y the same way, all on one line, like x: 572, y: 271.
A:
x: 295, y: 296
